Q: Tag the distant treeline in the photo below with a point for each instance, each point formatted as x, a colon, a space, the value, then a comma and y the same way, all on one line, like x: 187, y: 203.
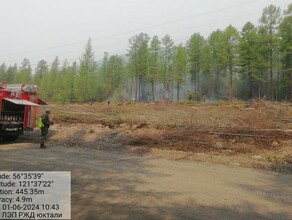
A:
x: 254, y: 62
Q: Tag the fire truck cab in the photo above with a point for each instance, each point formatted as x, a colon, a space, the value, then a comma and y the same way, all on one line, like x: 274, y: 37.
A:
x: 18, y: 108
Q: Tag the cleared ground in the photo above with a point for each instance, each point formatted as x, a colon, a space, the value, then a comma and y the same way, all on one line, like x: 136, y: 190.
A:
x: 110, y: 185
x: 254, y: 134
x: 168, y: 160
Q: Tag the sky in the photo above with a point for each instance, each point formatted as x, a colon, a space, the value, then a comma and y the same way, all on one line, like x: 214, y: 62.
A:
x: 44, y: 29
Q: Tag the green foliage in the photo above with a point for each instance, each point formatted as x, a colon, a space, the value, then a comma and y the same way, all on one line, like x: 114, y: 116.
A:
x: 197, y: 96
x: 229, y: 54
x: 255, y: 63
x: 10, y: 74
x: 167, y: 64
x: 24, y: 73
x: 113, y: 76
x: 207, y: 67
x: 249, y: 58
x: 285, y: 32
x: 180, y: 64
x: 269, y: 44
x: 154, y: 65
x: 215, y: 41
x: 195, y: 45
x: 180, y: 67
x: 40, y: 71
x: 3, y: 76
x: 87, y: 77
x: 138, y: 63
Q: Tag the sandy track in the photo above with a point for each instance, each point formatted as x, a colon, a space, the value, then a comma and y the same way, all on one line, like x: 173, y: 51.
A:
x: 107, y: 185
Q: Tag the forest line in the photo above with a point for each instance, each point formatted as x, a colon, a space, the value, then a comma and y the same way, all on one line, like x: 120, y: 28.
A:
x: 252, y: 63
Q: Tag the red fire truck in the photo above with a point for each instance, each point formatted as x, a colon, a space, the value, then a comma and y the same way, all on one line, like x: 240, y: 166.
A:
x: 18, y: 109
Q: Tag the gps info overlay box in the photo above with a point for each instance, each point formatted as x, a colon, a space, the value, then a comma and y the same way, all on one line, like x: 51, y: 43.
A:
x: 35, y: 195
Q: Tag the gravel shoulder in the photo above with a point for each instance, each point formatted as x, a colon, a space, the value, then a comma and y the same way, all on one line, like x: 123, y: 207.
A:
x: 116, y: 185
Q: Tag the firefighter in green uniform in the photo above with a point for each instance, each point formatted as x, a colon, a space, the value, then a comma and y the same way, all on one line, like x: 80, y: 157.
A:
x: 45, y: 129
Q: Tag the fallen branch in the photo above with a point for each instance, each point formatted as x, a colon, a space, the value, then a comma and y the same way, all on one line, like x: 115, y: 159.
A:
x: 184, y: 157
x: 204, y: 143
x: 239, y: 120
x: 240, y: 135
x: 288, y: 120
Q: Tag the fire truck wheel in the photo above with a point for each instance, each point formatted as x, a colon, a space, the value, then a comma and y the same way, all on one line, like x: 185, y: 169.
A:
x: 10, y: 138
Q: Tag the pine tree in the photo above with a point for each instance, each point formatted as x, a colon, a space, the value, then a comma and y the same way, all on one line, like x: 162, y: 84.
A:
x: 167, y: 64
x: 154, y: 65
x: 180, y: 67
x: 41, y: 69
x: 269, y: 27
x: 229, y: 54
x: 138, y: 63
x: 195, y: 45
x: 207, y: 68
x: 87, y: 78
x: 215, y: 40
x: 286, y: 49
x: 10, y: 73
x: 249, y: 57
x: 3, y: 74
x: 25, y: 72
x: 114, y: 78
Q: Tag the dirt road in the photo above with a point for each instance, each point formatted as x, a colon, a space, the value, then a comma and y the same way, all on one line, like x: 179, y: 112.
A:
x: 108, y: 185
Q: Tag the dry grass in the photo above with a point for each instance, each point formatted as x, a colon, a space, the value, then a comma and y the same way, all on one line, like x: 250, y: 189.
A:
x: 224, y: 128
x: 228, y: 114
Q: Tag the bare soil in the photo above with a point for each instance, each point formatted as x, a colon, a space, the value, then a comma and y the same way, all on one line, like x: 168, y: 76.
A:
x: 257, y: 134
x: 111, y: 185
